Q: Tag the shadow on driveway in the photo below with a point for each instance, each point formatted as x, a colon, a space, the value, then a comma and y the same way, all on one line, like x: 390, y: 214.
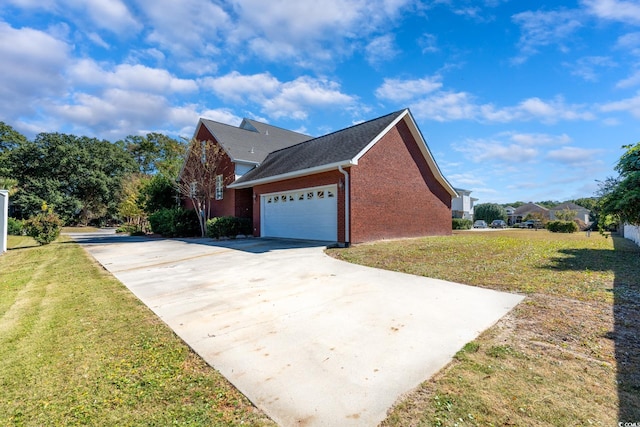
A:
x: 249, y: 244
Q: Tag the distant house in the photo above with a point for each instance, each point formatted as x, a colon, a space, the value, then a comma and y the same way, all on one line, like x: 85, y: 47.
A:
x: 582, y: 214
x: 375, y: 180
x: 510, y: 210
x: 523, y: 211
x: 462, y: 206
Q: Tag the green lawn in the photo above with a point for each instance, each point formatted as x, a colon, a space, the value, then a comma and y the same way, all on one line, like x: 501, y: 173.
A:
x: 568, y: 355
x: 77, y: 348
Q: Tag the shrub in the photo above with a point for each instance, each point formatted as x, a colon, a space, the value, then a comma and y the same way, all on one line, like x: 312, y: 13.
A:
x: 228, y: 226
x: 44, y: 227
x: 15, y: 227
x: 461, y: 224
x: 176, y: 222
x: 132, y: 229
x: 562, y: 226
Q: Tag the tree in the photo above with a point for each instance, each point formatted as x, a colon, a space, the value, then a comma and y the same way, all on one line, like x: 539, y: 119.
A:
x: 566, y: 214
x: 79, y: 177
x: 489, y: 212
x: 156, y: 154
x: 197, y: 181
x: 620, y: 197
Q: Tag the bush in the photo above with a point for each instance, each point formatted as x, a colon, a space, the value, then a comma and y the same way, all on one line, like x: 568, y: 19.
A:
x: 132, y: 229
x: 44, y: 227
x: 562, y: 226
x: 15, y: 227
x: 228, y: 226
x: 176, y: 222
x: 461, y: 224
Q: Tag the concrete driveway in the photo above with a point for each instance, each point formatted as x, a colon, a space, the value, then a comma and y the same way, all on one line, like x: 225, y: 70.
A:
x: 308, y: 339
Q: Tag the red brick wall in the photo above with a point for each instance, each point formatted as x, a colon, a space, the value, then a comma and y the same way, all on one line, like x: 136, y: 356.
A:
x: 325, y: 178
x: 394, y: 194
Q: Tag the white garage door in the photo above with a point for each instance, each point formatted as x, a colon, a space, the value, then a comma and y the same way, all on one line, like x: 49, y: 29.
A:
x: 310, y: 213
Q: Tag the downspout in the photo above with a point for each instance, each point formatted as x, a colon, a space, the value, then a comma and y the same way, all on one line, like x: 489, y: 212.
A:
x: 347, y: 196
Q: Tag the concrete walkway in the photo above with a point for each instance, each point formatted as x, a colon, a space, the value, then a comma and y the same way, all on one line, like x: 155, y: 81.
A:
x: 308, y: 339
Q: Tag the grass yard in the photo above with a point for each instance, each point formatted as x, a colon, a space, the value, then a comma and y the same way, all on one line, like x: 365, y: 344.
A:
x: 568, y: 355
x: 77, y: 348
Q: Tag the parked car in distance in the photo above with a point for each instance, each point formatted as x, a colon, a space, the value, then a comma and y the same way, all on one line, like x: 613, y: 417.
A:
x: 531, y: 224
x: 480, y: 224
x: 498, y: 223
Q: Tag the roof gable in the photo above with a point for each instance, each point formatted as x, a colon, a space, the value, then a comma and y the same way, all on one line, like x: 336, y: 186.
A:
x: 252, y: 141
x: 341, y: 148
x: 338, y: 147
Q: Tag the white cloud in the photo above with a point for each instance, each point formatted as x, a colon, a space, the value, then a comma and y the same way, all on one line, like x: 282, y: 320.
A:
x: 309, y: 31
x: 402, y: 90
x: 381, y: 49
x: 629, y: 105
x: 614, y: 10
x: 446, y: 106
x: 279, y: 99
x: 31, y: 68
x: 538, y: 139
x: 111, y: 15
x: 428, y: 43
x: 295, y: 97
x: 126, y: 76
x: 574, y: 156
x: 187, y: 27
x: 238, y: 87
x: 483, y: 150
x: 586, y: 68
x: 632, y: 80
x: 542, y: 28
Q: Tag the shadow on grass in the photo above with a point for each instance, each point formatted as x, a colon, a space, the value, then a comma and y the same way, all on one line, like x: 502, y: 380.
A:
x: 624, y: 261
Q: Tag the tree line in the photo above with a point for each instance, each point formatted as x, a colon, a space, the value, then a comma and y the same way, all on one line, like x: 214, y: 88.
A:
x: 89, y: 180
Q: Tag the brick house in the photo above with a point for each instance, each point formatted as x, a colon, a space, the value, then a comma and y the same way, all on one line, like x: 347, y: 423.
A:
x: 375, y: 180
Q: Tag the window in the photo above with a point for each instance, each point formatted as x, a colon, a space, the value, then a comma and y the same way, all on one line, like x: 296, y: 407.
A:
x: 219, y: 187
x: 193, y: 189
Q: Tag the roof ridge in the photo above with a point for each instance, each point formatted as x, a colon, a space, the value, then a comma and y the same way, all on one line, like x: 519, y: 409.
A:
x: 339, y: 130
x: 274, y: 126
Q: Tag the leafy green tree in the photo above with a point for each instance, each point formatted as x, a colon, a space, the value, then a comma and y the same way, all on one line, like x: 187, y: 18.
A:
x: 489, y: 212
x: 156, y: 153
x: 9, y: 140
x: 566, y: 214
x: 79, y: 177
x: 620, y: 197
x: 158, y: 192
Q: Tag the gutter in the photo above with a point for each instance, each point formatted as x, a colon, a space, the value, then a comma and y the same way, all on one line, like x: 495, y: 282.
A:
x: 346, y: 204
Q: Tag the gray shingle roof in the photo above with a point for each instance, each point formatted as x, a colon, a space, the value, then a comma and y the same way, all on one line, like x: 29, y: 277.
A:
x: 252, y: 141
x: 568, y: 205
x: 336, y: 147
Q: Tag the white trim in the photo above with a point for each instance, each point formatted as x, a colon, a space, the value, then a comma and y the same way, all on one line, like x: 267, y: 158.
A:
x: 375, y: 140
x: 294, y: 174
x: 347, y: 197
x: 4, y: 219
x: 426, y: 153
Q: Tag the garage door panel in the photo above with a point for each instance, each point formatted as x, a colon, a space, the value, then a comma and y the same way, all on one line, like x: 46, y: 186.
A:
x: 301, y: 214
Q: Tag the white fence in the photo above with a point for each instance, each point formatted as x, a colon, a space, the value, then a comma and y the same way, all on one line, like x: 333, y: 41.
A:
x: 632, y: 232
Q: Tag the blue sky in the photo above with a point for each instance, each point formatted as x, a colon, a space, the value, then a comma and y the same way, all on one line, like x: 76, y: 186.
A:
x: 517, y: 100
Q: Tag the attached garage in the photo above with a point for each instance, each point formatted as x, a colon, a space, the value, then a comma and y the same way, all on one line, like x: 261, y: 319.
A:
x: 306, y: 213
